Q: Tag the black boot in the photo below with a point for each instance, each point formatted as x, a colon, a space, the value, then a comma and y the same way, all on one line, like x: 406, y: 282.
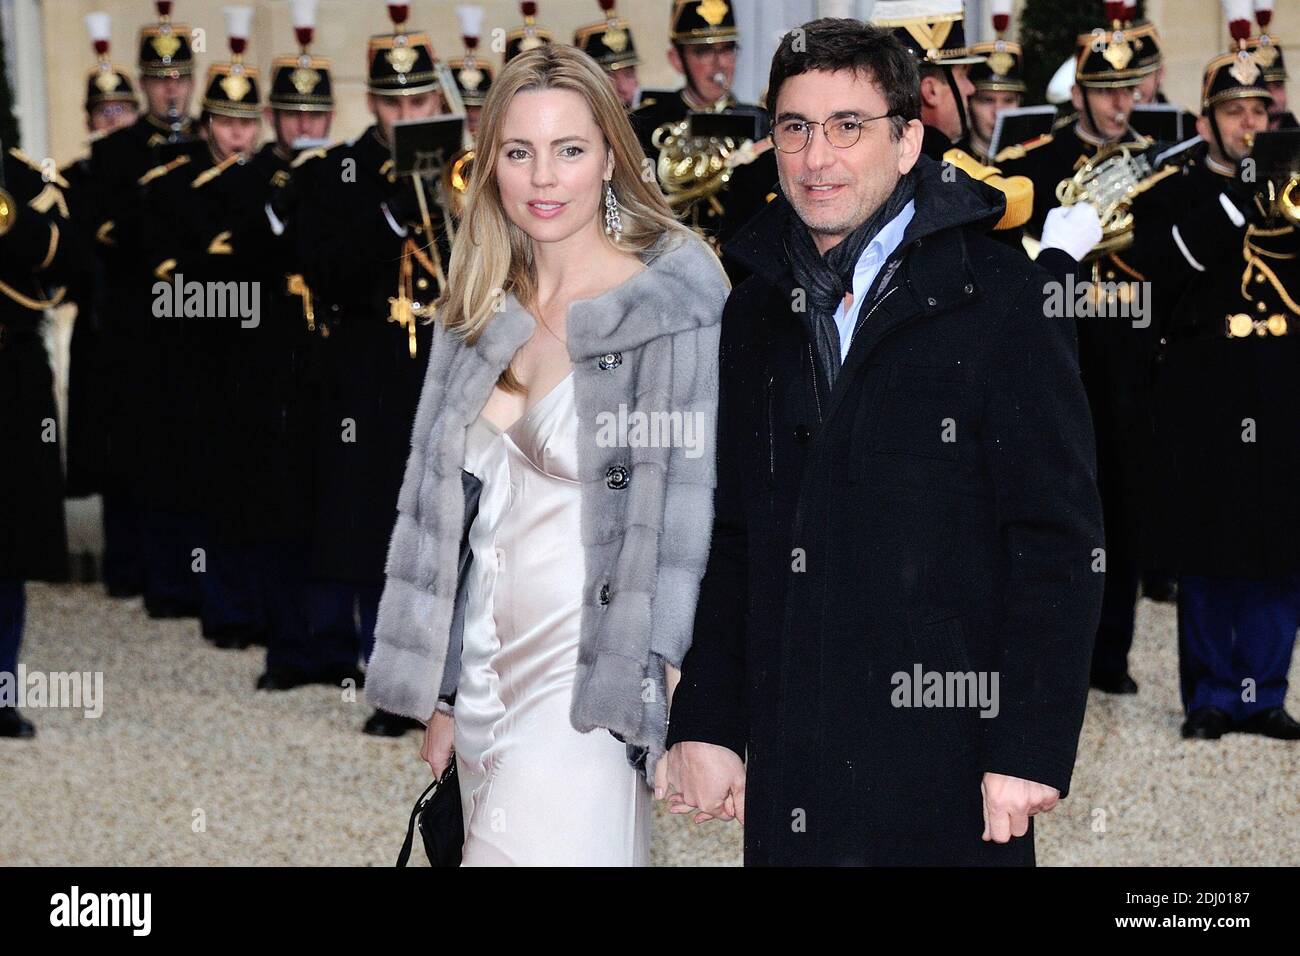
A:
x: 13, y: 724
x: 384, y: 724
x: 234, y: 638
x: 1274, y: 722
x: 335, y: 676
x: 1113, y: 683
x: 283, y: 678
x: 1206, y: 723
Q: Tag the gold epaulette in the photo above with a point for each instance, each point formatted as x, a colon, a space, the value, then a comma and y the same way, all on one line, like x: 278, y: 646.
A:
x: 162, y: 170
x: 316, y: 152
x: 205, y: 177
x: 1019, y: 149
x: 1018, y: 191
x: 26, y: 160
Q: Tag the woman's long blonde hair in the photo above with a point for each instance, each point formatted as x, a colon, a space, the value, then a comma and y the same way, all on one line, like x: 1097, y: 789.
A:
x: 491, y: 255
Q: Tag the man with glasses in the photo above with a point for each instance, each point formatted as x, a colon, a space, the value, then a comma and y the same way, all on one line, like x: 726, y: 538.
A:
x: 890, y: 657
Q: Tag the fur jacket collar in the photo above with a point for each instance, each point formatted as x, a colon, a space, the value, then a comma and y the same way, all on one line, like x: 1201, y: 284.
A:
x: 650, y: 345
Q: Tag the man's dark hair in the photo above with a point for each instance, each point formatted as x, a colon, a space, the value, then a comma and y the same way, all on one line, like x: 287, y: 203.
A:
x: 831, y: 45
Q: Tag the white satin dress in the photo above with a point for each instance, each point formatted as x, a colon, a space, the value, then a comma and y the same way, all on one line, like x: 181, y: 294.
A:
x: 535, y: 792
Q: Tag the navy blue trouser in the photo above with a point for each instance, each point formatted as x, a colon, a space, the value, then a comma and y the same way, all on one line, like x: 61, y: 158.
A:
x: 123, y: 564
x: 168, y: 540
x: 279, y: 572
x: 228, y: 595
x: 1232, y: 631
x: 13, y: 610
x: 341, y: 620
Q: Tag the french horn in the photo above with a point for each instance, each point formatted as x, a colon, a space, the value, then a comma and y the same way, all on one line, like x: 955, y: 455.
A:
x: 455, y: 181
x: 1109, y: 181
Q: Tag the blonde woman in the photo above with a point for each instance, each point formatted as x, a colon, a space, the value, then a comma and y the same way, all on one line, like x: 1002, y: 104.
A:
x: 544, y: 569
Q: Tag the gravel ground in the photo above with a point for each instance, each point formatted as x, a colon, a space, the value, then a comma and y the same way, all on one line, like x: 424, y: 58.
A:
x: 189, y: 766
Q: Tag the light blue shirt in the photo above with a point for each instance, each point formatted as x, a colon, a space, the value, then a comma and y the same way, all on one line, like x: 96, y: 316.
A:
x: 869, y: 265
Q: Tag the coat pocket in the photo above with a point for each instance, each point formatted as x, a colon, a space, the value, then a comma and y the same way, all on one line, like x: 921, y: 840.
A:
x: 921, y: 413
x: 946, y: 643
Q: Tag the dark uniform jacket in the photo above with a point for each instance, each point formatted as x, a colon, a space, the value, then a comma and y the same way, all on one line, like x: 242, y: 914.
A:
x: 113, y: 209
x: 261, y: 468
x: 935, y: 508
x: 33, y: 260
x: 366, y: 382
x: 751, y: 187
x: 1227, y: 435
x: 1115, y: 355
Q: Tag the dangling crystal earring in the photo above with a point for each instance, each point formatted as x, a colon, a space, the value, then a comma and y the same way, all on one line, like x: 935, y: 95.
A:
x: 613, y: 221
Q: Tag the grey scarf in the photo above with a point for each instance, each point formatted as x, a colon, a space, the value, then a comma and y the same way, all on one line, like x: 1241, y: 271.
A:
x: 826, y: 279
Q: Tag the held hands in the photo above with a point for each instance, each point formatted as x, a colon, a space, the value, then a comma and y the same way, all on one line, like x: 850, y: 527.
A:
x: 704, y: 779
x: 439, y: 738
x: 1009, y: 802
x: 709, y: 781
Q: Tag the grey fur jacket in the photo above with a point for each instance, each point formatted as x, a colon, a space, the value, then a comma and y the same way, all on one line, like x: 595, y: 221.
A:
x: 648, y: 345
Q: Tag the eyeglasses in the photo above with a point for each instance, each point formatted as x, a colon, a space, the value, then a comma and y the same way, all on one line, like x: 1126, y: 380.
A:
x: 842, y: 131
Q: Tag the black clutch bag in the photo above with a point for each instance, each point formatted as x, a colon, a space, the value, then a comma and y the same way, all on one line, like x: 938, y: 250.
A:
x: 438, y: 815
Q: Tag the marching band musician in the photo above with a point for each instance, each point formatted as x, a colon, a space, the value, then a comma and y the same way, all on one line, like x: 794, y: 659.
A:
x: 372, y: 262
x: 609, y: 43
x: 137, y: 539
x: 1224, y: 514
x: 185, y: 205
x: 33, y: 540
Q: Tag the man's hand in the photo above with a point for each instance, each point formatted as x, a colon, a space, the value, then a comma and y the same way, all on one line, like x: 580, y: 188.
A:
x: 1009, y: 802
x: 706, y: 779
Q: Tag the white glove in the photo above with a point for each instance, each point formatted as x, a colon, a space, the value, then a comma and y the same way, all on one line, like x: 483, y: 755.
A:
x: 1072, y: 229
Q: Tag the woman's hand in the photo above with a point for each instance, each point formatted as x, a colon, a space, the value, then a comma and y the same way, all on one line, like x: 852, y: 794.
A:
x: 439, y: 739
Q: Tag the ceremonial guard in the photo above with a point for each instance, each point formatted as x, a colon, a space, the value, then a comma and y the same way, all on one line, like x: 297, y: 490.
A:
x: 1106, y: 73
x: 998, y: 84
x: 200, y: 303
x: 270, y: 421
x: 373, y: 263
x: 739, y: 176
x: 932, y: 31
x: 1268, y: 53
x: 473, y: 74
x: 609, y: 43
x: 1114, y: 349
x: 1150, y: 89
x: 33, y: 544
x: 703, y: 47
x: 1224, y: 513
x: 528, y: 35
x: 117, y: 161
x: 110, y: 104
